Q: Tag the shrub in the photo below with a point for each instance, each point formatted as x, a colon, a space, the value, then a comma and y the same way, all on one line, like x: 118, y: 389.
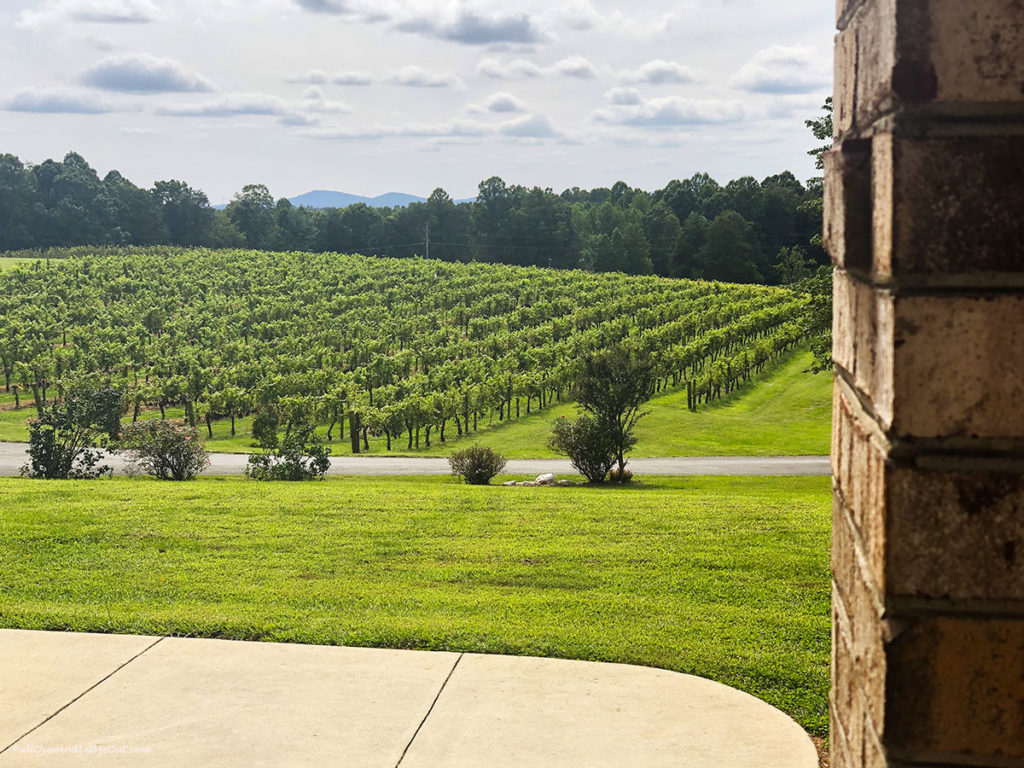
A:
x: 620, y: 475
x: 63, y: 440
x: 592, y: 447
x: 300, y: 455
x: 477, y: 465
x: 264, y: 428
x: 165, y: 451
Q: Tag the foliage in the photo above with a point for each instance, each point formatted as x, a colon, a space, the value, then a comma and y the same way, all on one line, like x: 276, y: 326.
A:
x: 412, y: 351
x: 590, y: 446
x: 63, y: 440
x: 265, y: 425
x: 818, y: 317
x: 725, y: 578
x: 165, y: 451
x: 620, y: 475
x: 794, y: 266
x: 822, y: 130
x: 617, y: 229
x: 477, y: 465
x: 612, y: 386
x: 299, y: 455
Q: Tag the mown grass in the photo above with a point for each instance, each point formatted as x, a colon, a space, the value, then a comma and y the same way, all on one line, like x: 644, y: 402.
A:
x: 9, y: 262
x: 786, y: 413
x: 726, y: 578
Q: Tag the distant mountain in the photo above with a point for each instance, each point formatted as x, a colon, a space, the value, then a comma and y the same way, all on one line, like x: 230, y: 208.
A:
x: 325, y: 199
x: 322, y: 198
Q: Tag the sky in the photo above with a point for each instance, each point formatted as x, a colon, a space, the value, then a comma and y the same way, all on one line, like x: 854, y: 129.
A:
x: 376, y: 96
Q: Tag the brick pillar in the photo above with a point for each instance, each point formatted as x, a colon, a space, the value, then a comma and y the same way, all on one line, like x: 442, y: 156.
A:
x: 924, y: 217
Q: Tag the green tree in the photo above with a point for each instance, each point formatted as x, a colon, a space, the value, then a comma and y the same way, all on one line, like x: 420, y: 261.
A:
x: 252, y: 211
x: 186, y: 212
x: 612, y: 386
x: 692, y: 236
x: 662, y: 230
x: 730, y: 251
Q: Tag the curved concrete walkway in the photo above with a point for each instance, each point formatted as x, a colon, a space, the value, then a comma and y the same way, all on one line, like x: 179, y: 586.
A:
x: 13, y: 456
x: 98, y: 700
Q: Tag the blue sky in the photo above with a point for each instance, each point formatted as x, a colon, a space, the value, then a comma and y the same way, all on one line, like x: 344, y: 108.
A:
x: 372, y: 97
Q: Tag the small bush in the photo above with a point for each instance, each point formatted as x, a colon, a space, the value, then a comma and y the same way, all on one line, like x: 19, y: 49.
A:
x: 620, y: 475
x: 164, y: 451
x: 64, y: 441
x: 477, y: 465
x: 300, y: 455
x: 591, y: 448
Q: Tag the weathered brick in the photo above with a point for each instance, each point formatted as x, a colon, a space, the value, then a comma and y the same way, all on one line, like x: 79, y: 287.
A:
x: 958, y: 366
x: 976, y: 49
x: 847, y: 221
x: 875, y: 27
x: 956, y: 687
x: 863, y: 339
x: 949, y: 206
x: 882, y: 206
x: 859, y: 618
x: 844, y: 88
x: 955, y: 535
x: 895, y: 52
x: 859, y: 472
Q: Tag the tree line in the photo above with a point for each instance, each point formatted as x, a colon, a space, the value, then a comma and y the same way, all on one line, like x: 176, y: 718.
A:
x: 746, y: 231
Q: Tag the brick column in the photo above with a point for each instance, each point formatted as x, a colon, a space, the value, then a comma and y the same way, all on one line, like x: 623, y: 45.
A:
x: 924, y: 217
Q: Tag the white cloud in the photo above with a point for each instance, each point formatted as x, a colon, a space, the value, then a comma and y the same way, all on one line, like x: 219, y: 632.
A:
x: 230, y: 105
x: 351, y: 78
x: 144, y: 73
x: 504, y: 102
x: 417, y: 77
x: 659, y: 72
x: 312, y: 77
x: 449, y: 129
x: 513, y: 70
x: 533, y: 126
x: 60, y: 101
x: 473, y: 28
x: 784, y: 69
x: 320, y: 77
x: 307, y: 111
x: 574, y: 66
x: 89, y: 12
x: 521, y: 69
x: 624, y: 96
x: 672, y: 111
x: 530, y: 127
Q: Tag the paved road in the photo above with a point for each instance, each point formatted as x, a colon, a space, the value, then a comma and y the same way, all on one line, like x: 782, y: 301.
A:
x: 13, y: 457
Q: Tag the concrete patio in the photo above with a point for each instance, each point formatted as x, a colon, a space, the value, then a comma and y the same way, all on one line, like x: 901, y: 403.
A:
x: 86, y: 699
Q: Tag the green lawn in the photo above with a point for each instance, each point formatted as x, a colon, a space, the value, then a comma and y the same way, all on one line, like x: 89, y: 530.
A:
x: 785, y: 413
x: 8, y: 262
x: 726, y: 578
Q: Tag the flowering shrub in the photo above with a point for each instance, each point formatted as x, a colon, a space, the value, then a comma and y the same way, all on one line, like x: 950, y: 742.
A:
x: 165, y: 451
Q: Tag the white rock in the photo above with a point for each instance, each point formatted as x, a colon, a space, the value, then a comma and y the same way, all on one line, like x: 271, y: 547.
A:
x: 565, y: 483
x: 547, y: 479
x: 528, y: 484
x: 509, y: 483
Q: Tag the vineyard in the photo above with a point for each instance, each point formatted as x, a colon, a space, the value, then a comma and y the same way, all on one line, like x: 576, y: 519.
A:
x: 405, y: 350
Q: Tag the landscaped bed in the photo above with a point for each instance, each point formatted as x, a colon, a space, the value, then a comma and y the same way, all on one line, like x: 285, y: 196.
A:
x: 726, y: 578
